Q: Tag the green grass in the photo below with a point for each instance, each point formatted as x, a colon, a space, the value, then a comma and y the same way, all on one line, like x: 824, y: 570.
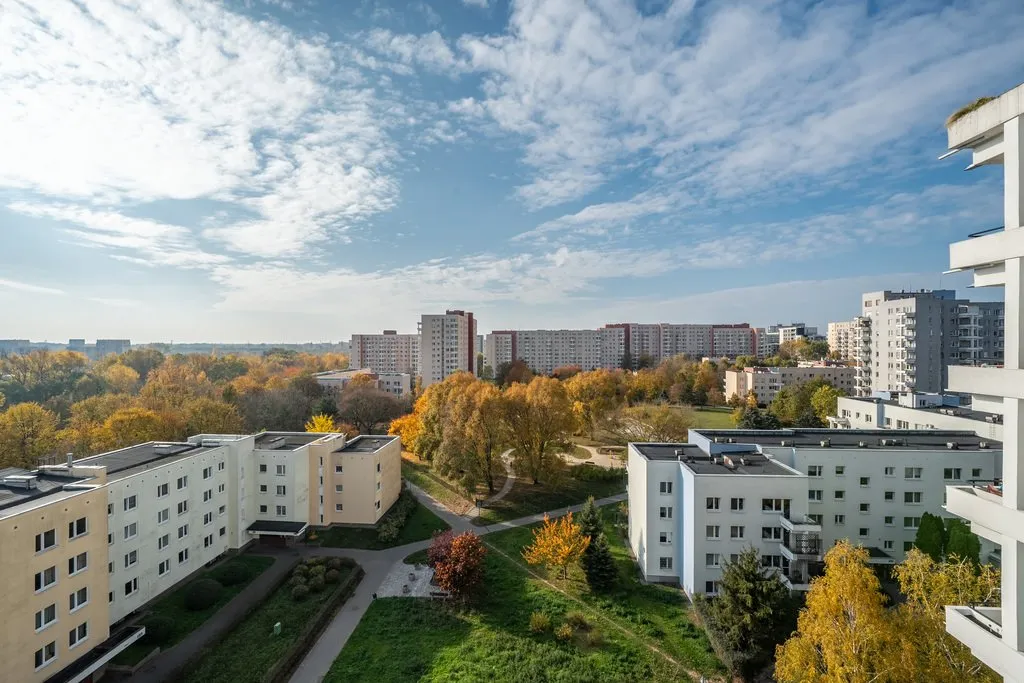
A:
x: 246, y: 653
x: 420, y: 526
x: 187, y: 621
x: 713, y: 419
x: 526, y: 498
x: 443, y: 491
x: 409, y: 639
x: 418, y: 557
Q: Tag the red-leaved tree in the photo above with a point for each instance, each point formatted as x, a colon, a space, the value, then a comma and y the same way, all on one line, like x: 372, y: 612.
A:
x: 462, y: 572
x: 440, y: 548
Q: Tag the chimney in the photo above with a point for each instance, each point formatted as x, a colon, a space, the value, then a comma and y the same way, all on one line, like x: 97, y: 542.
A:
x: 71, y: 461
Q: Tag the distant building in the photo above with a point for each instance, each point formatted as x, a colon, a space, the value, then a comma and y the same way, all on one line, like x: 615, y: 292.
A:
x: 386, y: 352
x: 397, y: 383
x: 447, y: 345
x: 915, y: 411
x: 14, y: 346
x: 77, y: 345
x: 844, y: 338
x: 766, y: 382
x: 106, y: 347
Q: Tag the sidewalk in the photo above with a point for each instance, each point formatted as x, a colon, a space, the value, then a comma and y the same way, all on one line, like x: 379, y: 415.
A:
x: 552, y: 514
x: 458, y: 523
x: 166, y: 665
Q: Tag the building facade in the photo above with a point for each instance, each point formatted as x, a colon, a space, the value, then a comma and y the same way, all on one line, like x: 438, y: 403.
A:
x: 447, y: 345
x: 397, y: 383
x: 90, y: 542
x: 915, y: 411
x: 385, y: 352
x: 994, y: 134
x: 767, y: 382
x: 844, y: 339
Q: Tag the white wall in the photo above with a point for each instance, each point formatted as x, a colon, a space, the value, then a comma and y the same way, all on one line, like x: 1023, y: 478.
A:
x: 881, y: 415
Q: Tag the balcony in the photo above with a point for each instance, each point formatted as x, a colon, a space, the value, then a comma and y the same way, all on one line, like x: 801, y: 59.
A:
x: 799, y: 523
x: 984, y: 506
x: 981, y: 629
x: 1005, y: 382
x: 801, y: 546
x: 795, y: 581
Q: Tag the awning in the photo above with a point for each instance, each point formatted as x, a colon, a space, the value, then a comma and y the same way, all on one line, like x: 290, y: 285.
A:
x: 91, y: 661
x: 271, y: 527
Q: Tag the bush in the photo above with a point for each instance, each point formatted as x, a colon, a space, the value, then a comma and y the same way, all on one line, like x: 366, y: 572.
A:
x: 300, y: 592
x: 232, y: 574
x: 316, y: 584
x: 332, y: 576
x: 595, y: 638
x: 564, y: 632
x: 390, y: 527
x: 577, y: 620
x: 318, y: 570
x: 334, y: 563
x: 591, y: 472
x: 159, y: 629
x: 203, y: 594
x: 301, y: 570
x: 298, y: 580
x: 539, y: 622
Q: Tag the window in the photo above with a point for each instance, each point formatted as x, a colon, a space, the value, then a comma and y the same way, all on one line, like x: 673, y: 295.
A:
x: 46, y: 654
x: 840, y: 495
x: 281, y: 510
x: 46, y: 616
x: 263, y: 509
x: 182, y: 507
x: 815, y: 518
x: 338, y: 488
x: 911, y: 472
x: 263, y: 488
x: 814, y: 495
x: 130, y: 503
x: 771, y: 561
x: 281, y: 470
x: 163, y: 567
x: 951, y: 473
x: 263, y: 468
x: 814, y: 470
x: 377, y: 505
x: 665, y: 512
x: 865, y: 508
x: 736, y: 532
x: 131, y: 559
x: 46, y: 540
x: 912, y: 497
x: 889, y: 496
x: 665, y: 537
x: 665, y: 487
x: 887, y: 545
x: 378, y: 467
x: 183, y: 556
x: 840, y: 520
x: 863, y: 532
x: 222, y: 509
x: 182, y: 482
x: 78, y: 599
x: 208, y: 541
x: 840, y: 470
x: 223, y: 530
x: 130, y: 587
x: 665, y: 563
x: 890, y: 520
x: 772, y: 504
x: 163, y: 541
x: 338, y: 469
x: 711, y: 531
x: 736, y: 504
x: 890, y: 471
x: 110, y: 508
x: 79, y: 527
x: 110, y: 567
x: 207, y: 472
x: 865, y: 482
x: 163, y: 515
x: 337, y: 507
x: 710, y: 586
x: 907, y: 546
x: 131, y: 531
x: 207, y: 495
x: 183, y: 531
x: 78, y: 563
x: 220, y: 488
x: 976, y: 472
x: 207, y: 518
x: 78, y: 634
x: 281, y: 490
x: 162, y: 490
x: 220, y: 466
x: 771, y: 533
x: 712, y: 560
x: 911, y: 522
x: 714, y: 503
x: 110, y: 596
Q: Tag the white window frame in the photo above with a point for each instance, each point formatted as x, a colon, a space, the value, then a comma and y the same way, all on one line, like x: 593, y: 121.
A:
x: 73, y: 531
x: 78, y: 635
x: 46, y: 586
x: 75, y: 603
x: 131, y: 502
x: 131, y: 530
x: 41, y: 615
x: 41, y: 546
x: 73, y: 562
x: 52, y: 646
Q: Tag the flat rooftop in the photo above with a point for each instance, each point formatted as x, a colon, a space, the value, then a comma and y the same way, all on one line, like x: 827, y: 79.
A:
x: 137, y: 456
x: 285, y: 441
x: 36, y: 485
x: 961, y: 411
x: 749, y: 462
x: 885, y: 439
x: 366, y: 444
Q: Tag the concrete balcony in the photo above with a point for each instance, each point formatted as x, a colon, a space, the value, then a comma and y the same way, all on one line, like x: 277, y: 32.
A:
x: 795, y: 581
x: 1004, y: 382
x: 981, y: 629
x: 986, y: 511
x: 801, y: 524
x: 797, y: 546
x: 986, y: 250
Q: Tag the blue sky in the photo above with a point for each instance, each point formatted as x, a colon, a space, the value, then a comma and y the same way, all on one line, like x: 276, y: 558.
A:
x: 297, y: 170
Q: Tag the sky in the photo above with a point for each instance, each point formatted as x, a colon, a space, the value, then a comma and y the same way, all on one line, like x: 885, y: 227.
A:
x: 292, y: 170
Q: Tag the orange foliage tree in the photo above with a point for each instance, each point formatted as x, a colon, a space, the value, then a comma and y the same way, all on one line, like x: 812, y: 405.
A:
x: 459, y: 568
x: 557, y: 543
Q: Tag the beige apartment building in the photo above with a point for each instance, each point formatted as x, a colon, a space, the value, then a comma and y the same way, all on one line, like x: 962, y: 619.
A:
x: 388, y: 352
x: 86, y: 544
x: 767, y: 382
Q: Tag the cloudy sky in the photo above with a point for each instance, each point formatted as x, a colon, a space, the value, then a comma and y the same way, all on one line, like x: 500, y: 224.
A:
x: 292, y: 170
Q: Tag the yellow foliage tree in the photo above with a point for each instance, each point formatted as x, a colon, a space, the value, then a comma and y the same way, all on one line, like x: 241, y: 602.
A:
x: 130, y: 426
x: 320, y: 424
x: 209, y: 416
x: 407, y: 428
x: 28, y: 432
x: 844, y: 634
x: 121, y: 378
x: 594, y: 395
x: 538, y: 421
x: 557, y: 543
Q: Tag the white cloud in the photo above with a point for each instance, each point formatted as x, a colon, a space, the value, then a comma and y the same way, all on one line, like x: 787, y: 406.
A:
x: 733, y: 98
x: 475, y: 3
x: 27, y: 287
x: 429, y: 50
x: 598, y: 219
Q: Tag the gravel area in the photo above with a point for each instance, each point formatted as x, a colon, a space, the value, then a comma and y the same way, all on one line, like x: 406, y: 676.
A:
x: 399, y: 576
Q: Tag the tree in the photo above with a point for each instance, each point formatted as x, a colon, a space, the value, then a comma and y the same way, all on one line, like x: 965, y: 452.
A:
x: 557, y: 544
x: 538, y: 421
x: 643, y: 386
x: 595, y: 395
x: 209, y: 416
x: 931, y: 536
x: 590, y: 519
x: 440, y: 547
x: 844, y: 633
x: 487, y: 435
x: 142, y: 361
x: 756, y: 418
x: 121, y: 379
x: 961, y: 542
x: 749, y: 613
x: 599, y: 565
x: 652, y: 423
x: 929, y: 653
x: 320, y: 424
x: 28, y: 432
x: 479, y: 365
x: 512, y: 372
x: 461, y: 571
x: 366, y: 407
x: 564, y: 372
x: 825, y: 400
x: 277, y: 409
x: 130, y: 426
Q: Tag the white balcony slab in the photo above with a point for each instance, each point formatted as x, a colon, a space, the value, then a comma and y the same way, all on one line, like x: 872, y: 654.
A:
x: 988, y: 516
x: 979, y: 632
x: 1005, y: 382
x: 987, y: 249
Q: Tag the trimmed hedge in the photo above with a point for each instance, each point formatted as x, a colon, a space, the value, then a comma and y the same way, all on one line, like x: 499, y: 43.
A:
x: 391, y: 525
x: 159, y: 629
x: 591, y: 472
x: 202, y: 594
x: 231, y: 574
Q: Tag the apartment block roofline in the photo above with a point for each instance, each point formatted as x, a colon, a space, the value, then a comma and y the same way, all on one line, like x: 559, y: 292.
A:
x: 875, y: 439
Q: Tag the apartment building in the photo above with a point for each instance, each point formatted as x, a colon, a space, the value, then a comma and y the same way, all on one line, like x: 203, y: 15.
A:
x: 447, y: 345
x: 915, y: 411
x: 662, y: 340
x: 767, y: 344
x: 499, y: 347
x: 791, y: 493
x: 388, y: 352
x: 766, y: 382
x: 844, y: 339
x: 88, y: 543
x: 106, y: 347
x: 994, y: 134
x: 397, y: 383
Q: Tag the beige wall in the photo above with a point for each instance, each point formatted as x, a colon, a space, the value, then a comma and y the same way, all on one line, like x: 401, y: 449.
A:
x: 18, y: 600
x: 359, y: 479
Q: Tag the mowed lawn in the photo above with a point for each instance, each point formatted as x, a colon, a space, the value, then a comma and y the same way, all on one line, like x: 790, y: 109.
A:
x: 410, y: 639
x: 713, y: 419
x: 420, y: 526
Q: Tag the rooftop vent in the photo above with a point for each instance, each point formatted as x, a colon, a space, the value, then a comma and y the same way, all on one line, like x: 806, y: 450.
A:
x: 727, y: 461
x: 862, y: 444
x: 730, y: 440
x: 952, y: 445
x: 210, y: 443
x: 21, y: 481
x: 890, y: 442
x: 679, y: 451
x: 784, y: 442
x: 825, y: 443
x: 983, y: 444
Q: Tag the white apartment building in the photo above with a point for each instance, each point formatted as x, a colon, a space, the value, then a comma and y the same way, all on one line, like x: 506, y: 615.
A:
x: 397, y: 383
x: 791, y: 493
x: 767, y: 343
x: 388, y: 352
x: 447, y: 345
x: 663, y: 340
x: 767, y: 382
x: 994, y: 133
x: 793, y: 331
x: 915, y: 411
x: 499, y: 347
x: 844, y: 339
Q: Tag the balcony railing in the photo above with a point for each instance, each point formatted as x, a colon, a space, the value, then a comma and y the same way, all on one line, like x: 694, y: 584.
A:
x: 803, y: 545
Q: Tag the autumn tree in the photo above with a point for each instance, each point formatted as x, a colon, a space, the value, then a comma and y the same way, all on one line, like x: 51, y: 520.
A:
x: 825, y: 401
x: 461, y: 570
x: 538, y: 421
x: 28, y: 432
x: 320, y: 424
x: 513, y: 372
x: 844, y: 632
x: 755, y: 418
x: 643, y: 386
x: 594, y: 396
x: 209, y: 416
x: 557, y: 544
x: 652, y: 423
x: 130, y: 426
x: 142, y: 361
x: 121, y: 379
x: 423, y: 436
x: 275, y: 409
x: 564, y: 372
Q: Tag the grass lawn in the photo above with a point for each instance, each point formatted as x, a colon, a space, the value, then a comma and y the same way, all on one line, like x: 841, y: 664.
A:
x: 420, y: 526
x: 410, y: 639
x: 526, y: 498
x: 246, y: 653
x: 448, y: 494
x: 186, y: 621
x: 713, y: 419
x: 418, y: 557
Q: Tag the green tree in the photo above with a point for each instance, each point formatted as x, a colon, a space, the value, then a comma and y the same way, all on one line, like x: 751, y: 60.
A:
x: 590, y: 520
x: 756, y: 418
x: 599, y: 565
x: 825, y: 401
x: 961, y: 542
x: 931, y: 536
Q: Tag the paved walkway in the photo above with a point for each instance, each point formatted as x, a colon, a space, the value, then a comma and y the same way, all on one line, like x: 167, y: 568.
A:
x: 552, y: 514
x: 167, y: 664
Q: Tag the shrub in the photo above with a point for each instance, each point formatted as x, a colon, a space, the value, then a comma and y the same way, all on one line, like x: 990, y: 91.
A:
x: 440, y: 548
x: 332, y: 576
x: 591, y: 472
x: 232, y: 574
x: 318, y: 570
x: 390, y: 527
x: 159, y: 629
x: 334, y: 563
x: 301, y: 570
x: 564, y: 632
x: 316, y: 584
x: 298, y: 580
x: 539, y: 622
x: 595, y: 638
x: 300, y: 593
x: 202, y: 594
x: 577, y: 620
